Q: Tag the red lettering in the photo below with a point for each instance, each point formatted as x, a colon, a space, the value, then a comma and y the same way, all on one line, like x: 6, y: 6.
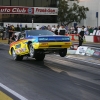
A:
x: 45, y: 10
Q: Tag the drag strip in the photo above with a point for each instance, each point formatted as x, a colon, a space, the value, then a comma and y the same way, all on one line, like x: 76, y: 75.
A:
x: 12, y: 94
x: 55, y: 78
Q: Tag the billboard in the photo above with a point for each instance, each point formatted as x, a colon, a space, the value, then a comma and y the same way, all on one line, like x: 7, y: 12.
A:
x: 28, y: 10
x: 45, y: 11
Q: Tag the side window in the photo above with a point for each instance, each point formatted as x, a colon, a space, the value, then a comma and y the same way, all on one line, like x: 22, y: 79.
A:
x: 17, y: 46
x: 21, y: 36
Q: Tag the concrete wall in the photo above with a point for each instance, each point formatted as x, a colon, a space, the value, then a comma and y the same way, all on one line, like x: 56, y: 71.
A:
x: 94, y: 6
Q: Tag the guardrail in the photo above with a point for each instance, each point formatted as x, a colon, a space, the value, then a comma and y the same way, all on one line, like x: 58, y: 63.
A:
x: 88, y: 38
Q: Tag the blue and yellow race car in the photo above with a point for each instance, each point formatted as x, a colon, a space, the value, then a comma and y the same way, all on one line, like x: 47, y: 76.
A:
x: 37, y: 43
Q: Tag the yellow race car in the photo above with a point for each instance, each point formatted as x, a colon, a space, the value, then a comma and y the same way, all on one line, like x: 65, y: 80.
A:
x: 37, y: 43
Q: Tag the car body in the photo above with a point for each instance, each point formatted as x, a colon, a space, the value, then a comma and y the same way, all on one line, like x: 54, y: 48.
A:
x: 37, y: 43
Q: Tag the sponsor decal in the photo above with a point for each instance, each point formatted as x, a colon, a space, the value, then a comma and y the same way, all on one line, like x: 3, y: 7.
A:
x: 81, y: 50
x: 30, y: 10
x: 96, y: 53
x: 89, y: 52
x: 17, y: 46
x: 21, y: 50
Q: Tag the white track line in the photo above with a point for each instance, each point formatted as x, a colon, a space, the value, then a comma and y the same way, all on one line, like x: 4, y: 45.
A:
x: 12, y: 92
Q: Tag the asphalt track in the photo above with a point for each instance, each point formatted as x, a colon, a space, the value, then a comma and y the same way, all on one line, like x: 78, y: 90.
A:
x: 54, y: 79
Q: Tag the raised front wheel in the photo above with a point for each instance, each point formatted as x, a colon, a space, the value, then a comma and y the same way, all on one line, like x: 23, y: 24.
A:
x: 15, y: 56
x: 31, y: 50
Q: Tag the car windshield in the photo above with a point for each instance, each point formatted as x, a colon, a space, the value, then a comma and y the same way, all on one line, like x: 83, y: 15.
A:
x: 39, y: 32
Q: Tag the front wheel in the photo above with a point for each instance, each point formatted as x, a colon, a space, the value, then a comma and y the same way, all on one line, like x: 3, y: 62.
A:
x: 15, y: 56
x: 31, y: 51
x: 63, y: 52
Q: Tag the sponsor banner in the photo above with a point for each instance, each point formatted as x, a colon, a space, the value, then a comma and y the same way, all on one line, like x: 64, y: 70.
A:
x: 81, y: 50
x: 28, y: 10
x: 16, y: 10
x: 45, y: 11
x: 89, y: 52
x: 96, y: 53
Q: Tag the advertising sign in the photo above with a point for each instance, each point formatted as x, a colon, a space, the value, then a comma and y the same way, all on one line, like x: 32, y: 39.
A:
x: 96, y: 53
x: 28, y: 10
x: 81, y: 50
x: 45, y: 11
x: 89, y: 52
x: 16, y: 10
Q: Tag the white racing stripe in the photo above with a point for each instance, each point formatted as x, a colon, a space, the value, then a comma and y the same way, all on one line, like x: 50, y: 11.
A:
x: 13, y: 92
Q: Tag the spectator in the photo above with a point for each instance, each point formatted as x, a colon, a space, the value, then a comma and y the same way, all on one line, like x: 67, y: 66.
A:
x: 49, y: 28
x: 6, y: 32
x: 18, y: 29
x: 90, y: 29
x: 81, y: 36
x: 13, y: 28
x: 26, y: 27
x: 79, y: 29
x: 66, y: 27
x: 37, y: 27
x: 10, y: 34
x: 43, y: 27
x: 62, y: 30
x: 20, y: 26
x: 76, y: 30
x: 53, y: 29
x: 56, y: 31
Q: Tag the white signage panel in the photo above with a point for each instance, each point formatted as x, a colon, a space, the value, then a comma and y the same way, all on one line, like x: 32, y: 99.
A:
x: 81, y: 50
x: 45, y: 11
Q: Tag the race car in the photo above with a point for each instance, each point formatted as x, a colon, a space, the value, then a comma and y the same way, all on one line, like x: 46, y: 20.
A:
x: 37, y: 43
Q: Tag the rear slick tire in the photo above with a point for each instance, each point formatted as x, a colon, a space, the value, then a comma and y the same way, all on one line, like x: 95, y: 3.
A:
x: 40, y: 57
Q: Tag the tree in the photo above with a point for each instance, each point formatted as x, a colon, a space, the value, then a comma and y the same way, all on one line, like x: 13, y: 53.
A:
x: 69, y: 14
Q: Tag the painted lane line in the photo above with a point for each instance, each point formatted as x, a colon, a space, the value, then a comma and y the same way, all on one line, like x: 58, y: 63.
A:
x: 13, y: 92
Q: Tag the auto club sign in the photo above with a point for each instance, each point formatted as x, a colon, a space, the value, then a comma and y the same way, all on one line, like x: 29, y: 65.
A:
x: 28, y: 10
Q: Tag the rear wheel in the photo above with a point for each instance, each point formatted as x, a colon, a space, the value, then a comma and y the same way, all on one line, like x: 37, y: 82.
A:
x: 63, y: 52
x: 15, y: 56
x: 40, y: 55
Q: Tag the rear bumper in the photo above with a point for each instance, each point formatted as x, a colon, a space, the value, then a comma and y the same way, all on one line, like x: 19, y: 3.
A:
x: 48, y: 45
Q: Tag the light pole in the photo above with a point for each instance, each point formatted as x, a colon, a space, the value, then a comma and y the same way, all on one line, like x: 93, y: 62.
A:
x: 32, y: 23
x: 97, y: 18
